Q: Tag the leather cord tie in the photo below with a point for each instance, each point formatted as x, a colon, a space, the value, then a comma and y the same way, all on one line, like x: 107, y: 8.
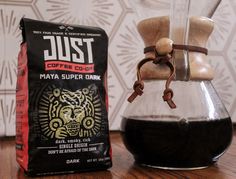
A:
x: 162, y: 59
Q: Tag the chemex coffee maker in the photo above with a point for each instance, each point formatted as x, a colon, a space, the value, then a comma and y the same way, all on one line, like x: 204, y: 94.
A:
x: 175, y: 118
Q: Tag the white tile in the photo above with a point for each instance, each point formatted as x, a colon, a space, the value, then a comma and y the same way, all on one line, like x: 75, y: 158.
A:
x: 103, y: 13
x: 7, y: 114
x: 224, y: 19
x: 126, y: 49
x: 116, y: 93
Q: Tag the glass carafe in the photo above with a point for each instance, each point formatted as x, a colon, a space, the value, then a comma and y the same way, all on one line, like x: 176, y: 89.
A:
x: 195, y: 133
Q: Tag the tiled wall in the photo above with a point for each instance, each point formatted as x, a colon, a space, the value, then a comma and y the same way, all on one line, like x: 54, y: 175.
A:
x: 125, y: 49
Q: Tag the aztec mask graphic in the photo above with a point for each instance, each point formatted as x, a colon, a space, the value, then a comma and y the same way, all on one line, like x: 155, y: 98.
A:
x: 65, y: 113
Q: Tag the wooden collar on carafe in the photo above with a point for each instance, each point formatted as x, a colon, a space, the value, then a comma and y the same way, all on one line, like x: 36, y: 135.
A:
x: 164, y: 51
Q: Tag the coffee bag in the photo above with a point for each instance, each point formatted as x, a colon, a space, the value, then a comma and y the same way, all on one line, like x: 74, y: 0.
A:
x: 61, y: 98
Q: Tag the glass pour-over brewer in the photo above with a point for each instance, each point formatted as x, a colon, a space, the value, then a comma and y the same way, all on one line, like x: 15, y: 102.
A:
x: 192, y: 128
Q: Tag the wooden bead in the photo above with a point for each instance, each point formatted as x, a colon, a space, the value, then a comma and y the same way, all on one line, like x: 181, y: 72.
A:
x: 164, y: 46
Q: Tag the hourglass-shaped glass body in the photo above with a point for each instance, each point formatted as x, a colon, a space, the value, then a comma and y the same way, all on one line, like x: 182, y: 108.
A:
x: 193, y: 135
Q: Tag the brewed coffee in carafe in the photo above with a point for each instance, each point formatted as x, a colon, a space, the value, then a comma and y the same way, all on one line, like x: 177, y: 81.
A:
x: 175, y: 118
x: 192, y: 136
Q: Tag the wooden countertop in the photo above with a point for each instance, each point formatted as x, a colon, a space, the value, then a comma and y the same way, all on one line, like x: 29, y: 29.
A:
x: 123, y: 165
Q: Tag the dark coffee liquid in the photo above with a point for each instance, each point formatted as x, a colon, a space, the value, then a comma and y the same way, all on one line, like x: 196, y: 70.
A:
x: 176, y: 144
